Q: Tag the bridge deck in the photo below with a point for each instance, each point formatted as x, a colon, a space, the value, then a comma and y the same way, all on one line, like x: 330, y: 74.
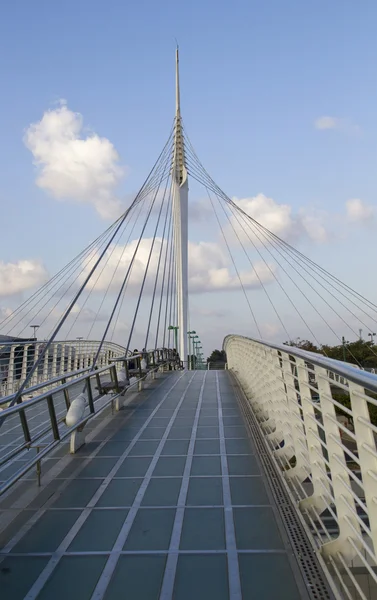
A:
x: 167, y: 501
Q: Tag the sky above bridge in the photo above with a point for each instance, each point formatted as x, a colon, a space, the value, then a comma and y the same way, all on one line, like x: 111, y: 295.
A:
x: 278, y: 98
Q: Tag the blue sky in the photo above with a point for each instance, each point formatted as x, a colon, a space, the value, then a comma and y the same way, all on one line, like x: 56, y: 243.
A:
x: 255, y: 77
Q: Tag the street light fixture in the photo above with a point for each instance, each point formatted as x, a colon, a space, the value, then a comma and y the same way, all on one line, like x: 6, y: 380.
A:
x: 190, y: 333
x: 371, y: 335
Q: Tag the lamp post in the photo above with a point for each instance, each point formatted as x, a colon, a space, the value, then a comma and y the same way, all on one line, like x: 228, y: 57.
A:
x: 175, y: 329
x: 371, y: 335
x: 190, y: 333
x: 344, y: 342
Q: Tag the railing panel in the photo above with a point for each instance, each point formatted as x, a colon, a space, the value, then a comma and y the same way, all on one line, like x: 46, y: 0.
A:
x: 319, y: 419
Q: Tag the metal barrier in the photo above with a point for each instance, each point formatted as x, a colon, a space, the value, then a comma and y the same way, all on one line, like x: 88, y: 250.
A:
x: 318, y: 418
x: 17, y: 360
x: 51, y: 407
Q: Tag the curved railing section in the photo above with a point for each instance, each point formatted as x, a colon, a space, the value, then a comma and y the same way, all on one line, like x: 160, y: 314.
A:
x: 318, y: 417
x: 18, y: 359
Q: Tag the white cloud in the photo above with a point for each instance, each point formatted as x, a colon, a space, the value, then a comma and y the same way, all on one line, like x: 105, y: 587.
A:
x: 21, y: 276
x: 72, y: 166
x: 314, y: 225
x: 344, y: 125
x: 275, y: 217
x: 358, y: 211
x: 209, y: 268
x: 327, y: 123
x: 279, y: 219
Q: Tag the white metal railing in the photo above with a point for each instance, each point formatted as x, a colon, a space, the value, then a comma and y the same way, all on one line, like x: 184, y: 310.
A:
x: 318, y: 416
x: 17, y: 360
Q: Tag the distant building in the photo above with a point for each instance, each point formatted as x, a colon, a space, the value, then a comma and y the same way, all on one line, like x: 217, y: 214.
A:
x: 6, y: 343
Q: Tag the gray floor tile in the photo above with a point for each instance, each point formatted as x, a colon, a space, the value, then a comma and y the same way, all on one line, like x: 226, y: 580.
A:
x: 235, y: 432
x: 17, y: 575
x: 137, y: 578
x: 248, y: 490
x: 207, y: 447
x: 77, y: 493
x: 207, y: 432
x: 205, y: 421
x: 120, y: 492
x: 205, y: 491
x: 206, y: 465
x: 267, y: 576
x: 114, y: 448
x: 203, y: 529
x: 68, y: 579
x: 180, y: 433
x: 48, y: 532
x: 234, y: 421
x: 162, y: 492
x: 238, y: 446
x: 256, y: 528
x: 134, y: 466
x: 144, y: 448
x: 98, y: 467
x: 153, y: 433
x: 243, y: 465
x: 201, y: 577
x: 151, y: 529
x: 175, y: 447
x: 169, y: 465
x: 100, y: 531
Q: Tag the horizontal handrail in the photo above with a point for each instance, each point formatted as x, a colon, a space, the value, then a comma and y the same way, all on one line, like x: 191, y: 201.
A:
x: 352, y: 373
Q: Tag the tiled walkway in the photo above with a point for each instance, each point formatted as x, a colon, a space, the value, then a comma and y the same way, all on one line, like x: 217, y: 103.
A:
x: 168, y: 503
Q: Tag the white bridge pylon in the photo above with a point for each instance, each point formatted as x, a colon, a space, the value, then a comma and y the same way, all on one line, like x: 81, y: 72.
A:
x: 180, y: 220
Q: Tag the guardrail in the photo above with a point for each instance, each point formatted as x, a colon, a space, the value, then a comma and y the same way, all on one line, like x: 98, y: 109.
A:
x: 51, y: 408
x: 17, y: 360
x: 318, y: 418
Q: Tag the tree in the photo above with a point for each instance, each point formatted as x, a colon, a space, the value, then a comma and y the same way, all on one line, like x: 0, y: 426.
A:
x: 358, y: 353
x: 304, y: 345
x: 218, y: 356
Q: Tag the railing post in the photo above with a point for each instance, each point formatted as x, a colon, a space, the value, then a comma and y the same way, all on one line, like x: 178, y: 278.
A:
x: 319, y: 478
x: 24, y: 363
x: 342, y: 490
x: 367, y: 443
x: 45, y: 366
x: 10, y: 378
x: 301, y: 470
x: 54, y: 359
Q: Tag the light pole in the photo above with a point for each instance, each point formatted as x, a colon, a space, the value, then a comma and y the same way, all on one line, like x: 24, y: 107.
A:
x: 189, y: 333
x: 371, y: 335
x: 175, y: 328
x: 344, y: 342
x: 34, y: 328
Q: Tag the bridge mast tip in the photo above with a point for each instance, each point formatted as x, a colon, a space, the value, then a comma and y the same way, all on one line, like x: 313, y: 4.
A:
x: 177, y: 91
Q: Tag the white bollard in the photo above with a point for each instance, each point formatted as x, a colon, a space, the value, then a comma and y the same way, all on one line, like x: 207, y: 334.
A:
x: 76, y: 410
x: 74, y: 415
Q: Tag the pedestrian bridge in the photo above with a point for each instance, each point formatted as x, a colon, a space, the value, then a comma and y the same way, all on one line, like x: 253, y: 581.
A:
x: 139, y: 475
x: 217, y: 484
